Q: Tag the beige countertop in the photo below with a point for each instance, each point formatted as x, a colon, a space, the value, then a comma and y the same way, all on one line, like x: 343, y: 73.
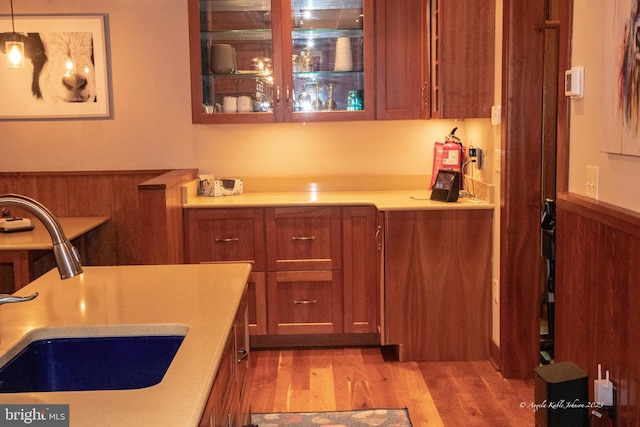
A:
x: 382, y: 200
x: 127, y: 300
x: 386, y: 193
x: 39, y: 238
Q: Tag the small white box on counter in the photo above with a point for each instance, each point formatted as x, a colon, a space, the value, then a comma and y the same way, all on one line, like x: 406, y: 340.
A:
x: 215, y: 187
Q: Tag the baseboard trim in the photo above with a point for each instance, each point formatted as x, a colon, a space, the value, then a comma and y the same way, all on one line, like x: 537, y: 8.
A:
x: 313, y: 340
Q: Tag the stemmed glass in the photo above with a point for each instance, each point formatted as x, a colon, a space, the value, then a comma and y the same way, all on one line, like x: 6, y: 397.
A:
x: 304, y: 99
x: 330, y: 103
x: 317, y: 103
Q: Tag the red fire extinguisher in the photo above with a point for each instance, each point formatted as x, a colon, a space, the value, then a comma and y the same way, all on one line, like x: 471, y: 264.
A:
x: 447, y: 155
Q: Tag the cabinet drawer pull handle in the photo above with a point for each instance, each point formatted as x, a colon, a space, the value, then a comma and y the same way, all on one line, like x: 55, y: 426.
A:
x: 303, y: 238
x: 228, y: 240
x: 305, y: 301
x: 244, y: 354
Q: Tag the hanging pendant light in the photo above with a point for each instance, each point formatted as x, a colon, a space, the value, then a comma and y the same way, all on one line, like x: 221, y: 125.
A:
x: 14, y: 46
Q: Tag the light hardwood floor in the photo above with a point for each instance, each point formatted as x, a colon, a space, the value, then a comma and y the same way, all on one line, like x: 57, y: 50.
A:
x: 435, y: 393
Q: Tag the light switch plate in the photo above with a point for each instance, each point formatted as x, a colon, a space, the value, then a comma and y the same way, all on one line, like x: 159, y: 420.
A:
x: 593, y: 175
x: 574, y: 82
x: 496, y: 112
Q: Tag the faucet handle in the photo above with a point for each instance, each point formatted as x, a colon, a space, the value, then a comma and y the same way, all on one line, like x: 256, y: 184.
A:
x: 6, y: 298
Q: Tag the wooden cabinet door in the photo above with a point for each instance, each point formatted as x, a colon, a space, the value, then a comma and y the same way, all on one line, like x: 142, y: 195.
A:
x: 304, y: 302
x: 305, y: 238
x: 223, y: 235
x: 223, y: 400
x: 360, y: 275
x: 462, y: 58
x: 228, y: 402
x: 257, y: 296
x: 243, y: 368
x: 230, y: 235
x: 401, y: 45
x: 438, y: 283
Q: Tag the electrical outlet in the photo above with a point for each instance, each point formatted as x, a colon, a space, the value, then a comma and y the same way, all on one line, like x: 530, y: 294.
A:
x: 593, y: 174
x: 497, y: 159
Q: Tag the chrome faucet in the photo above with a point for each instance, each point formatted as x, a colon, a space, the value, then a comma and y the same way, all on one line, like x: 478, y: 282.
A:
x: 67, y: 257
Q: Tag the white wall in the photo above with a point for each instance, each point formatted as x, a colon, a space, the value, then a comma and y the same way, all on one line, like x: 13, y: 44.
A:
x: 619, y: 182
x: 152, y: 123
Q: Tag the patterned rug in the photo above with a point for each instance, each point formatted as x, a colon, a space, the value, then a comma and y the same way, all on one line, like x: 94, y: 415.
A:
x: 361, y: 418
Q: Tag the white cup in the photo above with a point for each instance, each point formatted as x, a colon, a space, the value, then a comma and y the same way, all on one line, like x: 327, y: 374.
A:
x: 230, y: 104
x: 244, y: 104
x: 344, y: 58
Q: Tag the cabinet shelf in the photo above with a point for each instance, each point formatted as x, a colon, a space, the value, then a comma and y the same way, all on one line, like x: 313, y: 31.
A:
x: 326, y: 33
x: 241, y: 74
x: 325, y: 74
x: 234, y: 5
x: 237, y: 35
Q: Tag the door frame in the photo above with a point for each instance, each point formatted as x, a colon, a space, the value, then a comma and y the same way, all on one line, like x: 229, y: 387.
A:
x: 521, y: 184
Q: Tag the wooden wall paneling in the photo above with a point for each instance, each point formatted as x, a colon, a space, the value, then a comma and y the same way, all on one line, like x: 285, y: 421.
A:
x: 87, y: 193
x: 572, y: 288
x: 597, y: 295
x: 126, y: 217
x: 92, y: 195
x: 161, y: 217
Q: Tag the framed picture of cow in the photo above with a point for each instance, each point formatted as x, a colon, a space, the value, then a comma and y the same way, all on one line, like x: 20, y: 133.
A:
x: 65, y: 73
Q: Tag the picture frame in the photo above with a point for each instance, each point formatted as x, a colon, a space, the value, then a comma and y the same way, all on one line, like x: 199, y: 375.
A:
x: 621, y: 79
x: 52, y: 86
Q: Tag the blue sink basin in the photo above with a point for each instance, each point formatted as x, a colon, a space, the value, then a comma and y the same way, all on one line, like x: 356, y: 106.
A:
x: 89, y: 363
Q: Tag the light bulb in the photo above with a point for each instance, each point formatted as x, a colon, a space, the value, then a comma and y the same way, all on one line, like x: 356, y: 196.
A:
x: 15, y: 54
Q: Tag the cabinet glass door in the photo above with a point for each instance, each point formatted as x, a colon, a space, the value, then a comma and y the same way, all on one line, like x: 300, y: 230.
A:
x: 329, y: 60
x: 239, y: 74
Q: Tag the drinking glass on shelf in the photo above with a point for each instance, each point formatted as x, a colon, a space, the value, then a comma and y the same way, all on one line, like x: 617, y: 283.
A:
x: 330, y: 103
x: 317, y: 103
x: 304, y: 99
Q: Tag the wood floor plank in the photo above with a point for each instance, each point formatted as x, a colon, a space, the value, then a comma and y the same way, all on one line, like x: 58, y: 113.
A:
x: 444, y: 390
x: 380, y: 379
x: 411, y: 389
x: 351, y: 380
x: 509, y: 395
x: 263, y: 379
x: 321, y: 384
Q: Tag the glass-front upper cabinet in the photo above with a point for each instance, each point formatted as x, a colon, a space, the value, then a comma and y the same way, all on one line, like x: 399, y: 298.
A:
x: 234, y: 48
x: 330, y: 73
x: 281, y: 60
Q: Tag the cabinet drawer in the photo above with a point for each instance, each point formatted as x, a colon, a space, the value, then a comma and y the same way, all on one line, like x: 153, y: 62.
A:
x: 305, y: 302
x: 222, y: 235
x: 304, y: 238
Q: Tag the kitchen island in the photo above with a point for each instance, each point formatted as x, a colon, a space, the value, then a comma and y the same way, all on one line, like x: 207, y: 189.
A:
x: 201, y: 300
